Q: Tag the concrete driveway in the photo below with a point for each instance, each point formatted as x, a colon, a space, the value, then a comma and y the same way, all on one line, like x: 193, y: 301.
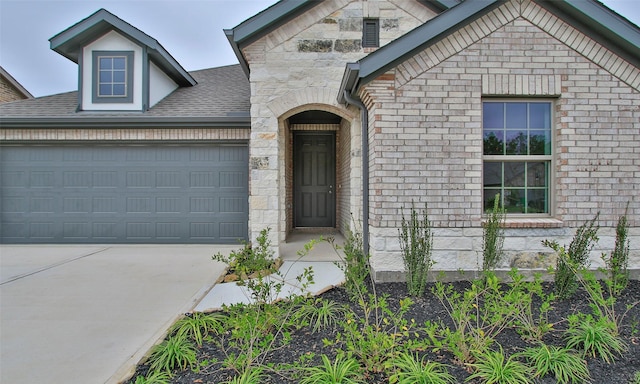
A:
x: 87, y: 313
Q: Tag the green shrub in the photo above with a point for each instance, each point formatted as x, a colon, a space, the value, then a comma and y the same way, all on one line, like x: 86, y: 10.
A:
x: 618, y: 260
x: 479, y: 315
x: 250, y: 259
x: 320, y: 314
x: 154, y: 377
x: 493, y: 236
x: 355, y: 265
x: 562, y: 363
x: 636, y: 378
x: 341, y: 371
x: 573, y: 259
x: 416, y: 243
x: 377, y: 332
x: 197, y: 325
x: 594, y: 337
x: 176, y: 352
x: 409, y: 369
x: 531, y: 322
x: 492, y: 368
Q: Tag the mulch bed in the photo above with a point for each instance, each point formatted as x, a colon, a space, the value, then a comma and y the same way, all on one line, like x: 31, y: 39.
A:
x: 429, y: 308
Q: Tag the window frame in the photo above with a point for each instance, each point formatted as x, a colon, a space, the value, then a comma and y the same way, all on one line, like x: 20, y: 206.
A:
x: 375, y: 41
x: 514, y: 158
x: 129, y: 64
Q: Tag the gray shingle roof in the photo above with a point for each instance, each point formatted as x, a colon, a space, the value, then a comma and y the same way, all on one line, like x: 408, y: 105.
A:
x: 221, y: 95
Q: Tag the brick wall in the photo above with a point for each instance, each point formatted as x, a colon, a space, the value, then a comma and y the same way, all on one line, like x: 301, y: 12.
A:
x: 8, y: 92
x: 425, y: 136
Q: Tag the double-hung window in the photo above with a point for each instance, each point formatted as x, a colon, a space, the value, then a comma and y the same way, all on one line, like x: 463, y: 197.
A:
x: 517, y: 155
x: 113, y: 75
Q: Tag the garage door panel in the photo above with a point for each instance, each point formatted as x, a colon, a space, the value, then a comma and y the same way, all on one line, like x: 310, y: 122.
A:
x: 130, y: 194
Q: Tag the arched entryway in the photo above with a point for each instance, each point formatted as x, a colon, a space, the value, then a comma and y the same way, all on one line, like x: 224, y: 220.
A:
x: 318, y: 170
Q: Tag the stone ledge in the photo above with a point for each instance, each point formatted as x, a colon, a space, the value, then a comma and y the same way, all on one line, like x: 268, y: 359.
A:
x: 532, y: 223
x: 467, y: 275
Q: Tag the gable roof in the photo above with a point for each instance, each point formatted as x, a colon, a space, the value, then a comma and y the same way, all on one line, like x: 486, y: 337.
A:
x: 14, y: 83
x: 589, y: 16
x: 282, y: 12
x: 221, y: 98
x: 69, y: 42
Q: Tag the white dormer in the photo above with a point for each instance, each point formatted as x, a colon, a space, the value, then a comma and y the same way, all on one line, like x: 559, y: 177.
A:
x: 121, y: 68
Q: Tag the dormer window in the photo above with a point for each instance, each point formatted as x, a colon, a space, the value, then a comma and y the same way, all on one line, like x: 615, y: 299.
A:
x: 113, y: 76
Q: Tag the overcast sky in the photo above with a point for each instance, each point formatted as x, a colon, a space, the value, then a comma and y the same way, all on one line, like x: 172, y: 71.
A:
x: 190, y: 30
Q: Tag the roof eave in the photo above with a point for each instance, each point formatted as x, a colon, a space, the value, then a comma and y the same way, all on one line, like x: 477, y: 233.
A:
x: 349, y: 81
x: 236, y: 49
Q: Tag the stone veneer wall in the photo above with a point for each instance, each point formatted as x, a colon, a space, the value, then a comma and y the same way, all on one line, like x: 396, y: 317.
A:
x: 299, y: 67
x: 425, y: 136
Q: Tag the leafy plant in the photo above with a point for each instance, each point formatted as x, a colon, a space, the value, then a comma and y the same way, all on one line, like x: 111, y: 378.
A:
x: 531, y: 323
x: 562, y: 363
x: 574, y: 258
x: 594, y: 337
x: 492, y: 368
x: 154, y: 377
x: 251, y: 260
x: 175, y: 352
x: 320, y: 313
x: 618, y: 260
x: 355, y: 264
x: 376, y: 335
x: 197, y: 325
x: 416, y: 243
x: 341, y: 371
x: 479, y: 314
x: 254, y: 331
x: 603, y: 303
x: 636, y: 378
x: 493, y: 236
x: 410, y: 369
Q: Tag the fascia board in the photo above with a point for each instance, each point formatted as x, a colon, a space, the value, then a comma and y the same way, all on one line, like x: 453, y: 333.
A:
x: 269, y: 18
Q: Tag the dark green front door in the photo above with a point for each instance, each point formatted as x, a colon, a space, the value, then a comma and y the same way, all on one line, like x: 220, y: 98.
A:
x: 314, y: 174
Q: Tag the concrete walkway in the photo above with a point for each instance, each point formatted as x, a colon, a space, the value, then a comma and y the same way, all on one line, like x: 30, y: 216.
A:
x: 87, y: 314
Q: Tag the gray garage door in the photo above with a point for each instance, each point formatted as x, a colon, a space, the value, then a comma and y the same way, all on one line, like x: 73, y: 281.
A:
x: 124, y: 194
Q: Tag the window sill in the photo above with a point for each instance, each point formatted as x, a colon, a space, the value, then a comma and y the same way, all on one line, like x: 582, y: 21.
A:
x: 539, y: 222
